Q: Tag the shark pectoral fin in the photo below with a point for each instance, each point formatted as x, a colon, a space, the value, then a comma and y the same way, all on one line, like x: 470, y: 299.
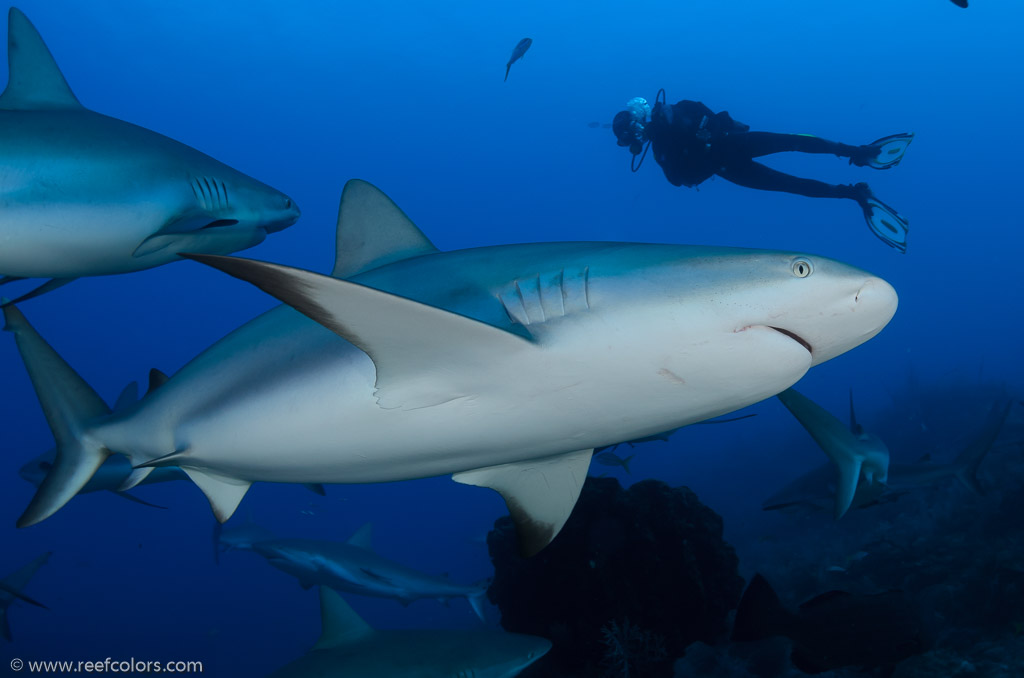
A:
x: 362, y: 538
x: 340, y: 624
x: 224, y: 493
x: 540, y: 493
x: 69, y: 405
x: 129, y: 497
x: 373, y: 231
x: 156, y: 243
x: 35, y: 81
x: 316, y: 488
x: 134, y: 478
x: 417, y: 350
x: 48, y: 286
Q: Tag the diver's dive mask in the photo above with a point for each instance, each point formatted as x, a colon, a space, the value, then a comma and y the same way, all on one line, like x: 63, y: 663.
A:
x: 629, y: 125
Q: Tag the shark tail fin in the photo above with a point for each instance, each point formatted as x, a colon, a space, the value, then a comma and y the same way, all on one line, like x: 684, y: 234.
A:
x: 760, y: 613
x: 967, y: 462
x: 625, y: 463
x: 69, y: 405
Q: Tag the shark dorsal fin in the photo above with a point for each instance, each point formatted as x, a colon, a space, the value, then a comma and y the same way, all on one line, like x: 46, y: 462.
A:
x: 128, y: 396
x: 341, y: 625
x: 156, y: 380
x: 34, y: 81
x: 373, y: 231
x: 363, y: 538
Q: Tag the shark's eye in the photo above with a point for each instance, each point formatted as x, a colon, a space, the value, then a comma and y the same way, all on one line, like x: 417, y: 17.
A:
x: 287, y: 203
x: 802, y: 267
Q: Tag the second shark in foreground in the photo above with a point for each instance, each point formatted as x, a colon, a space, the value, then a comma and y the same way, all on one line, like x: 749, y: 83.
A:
x: 349, y: 647
x: 504, y: 366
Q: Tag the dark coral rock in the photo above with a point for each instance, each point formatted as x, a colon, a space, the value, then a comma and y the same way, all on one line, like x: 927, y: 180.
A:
x: 651, y: 557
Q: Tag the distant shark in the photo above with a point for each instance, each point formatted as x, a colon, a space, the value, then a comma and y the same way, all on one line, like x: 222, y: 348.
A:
x: 816, y: 489
x: 11, y: 590
x: 84, y: 194
x: 503, y: 366
x: 857, y: 455
x: 348, y: 646
x: 238, y: 537
x: 353, y: 567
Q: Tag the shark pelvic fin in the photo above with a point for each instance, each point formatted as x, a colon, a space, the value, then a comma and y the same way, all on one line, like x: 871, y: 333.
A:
x: 34, y: 81
x: 316, y: 488
x: 373, y: 231
x: 69, y: 405
x: 224, y: 493
x: 340, y: 623
x: 134, y: 478
x: 362, y: 538
x: 412, y: 345
x: 540, y: 493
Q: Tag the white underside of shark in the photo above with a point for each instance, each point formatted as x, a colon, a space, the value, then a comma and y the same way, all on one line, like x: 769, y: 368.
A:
x: 504, y: 366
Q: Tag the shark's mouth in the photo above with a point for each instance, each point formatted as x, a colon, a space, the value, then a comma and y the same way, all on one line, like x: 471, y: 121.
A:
x: 795, y: 337
x: 220, y: 223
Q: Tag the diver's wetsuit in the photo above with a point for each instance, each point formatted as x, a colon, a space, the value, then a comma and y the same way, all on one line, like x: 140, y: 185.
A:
x: 693, y: 143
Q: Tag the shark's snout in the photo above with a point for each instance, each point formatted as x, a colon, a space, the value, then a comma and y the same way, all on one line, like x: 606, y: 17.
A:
x: 285, y: 214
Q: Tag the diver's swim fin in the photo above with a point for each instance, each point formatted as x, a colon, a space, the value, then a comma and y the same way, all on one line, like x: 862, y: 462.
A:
x: 885, y: 222
x: 890, y: 151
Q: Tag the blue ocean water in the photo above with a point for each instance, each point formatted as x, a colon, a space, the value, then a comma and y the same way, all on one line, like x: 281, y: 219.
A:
x: 410, y: 97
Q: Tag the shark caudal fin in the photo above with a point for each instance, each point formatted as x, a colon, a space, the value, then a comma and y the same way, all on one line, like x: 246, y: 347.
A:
x: 70, y: 405
x: 854, y: 455
x: 969, y: 460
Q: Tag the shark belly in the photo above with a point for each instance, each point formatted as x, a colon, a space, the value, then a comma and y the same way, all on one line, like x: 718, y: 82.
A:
x: 300, y: 406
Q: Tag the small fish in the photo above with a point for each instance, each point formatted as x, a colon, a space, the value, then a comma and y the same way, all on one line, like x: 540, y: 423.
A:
x: 518, y: 53
x: 612, y: 459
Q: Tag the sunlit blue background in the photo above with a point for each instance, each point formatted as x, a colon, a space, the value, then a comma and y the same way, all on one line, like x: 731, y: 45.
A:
x: 409, y: 95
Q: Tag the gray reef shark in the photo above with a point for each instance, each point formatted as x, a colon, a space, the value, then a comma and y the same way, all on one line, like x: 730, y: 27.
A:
x: 353, y: 567
x: 238, y: 537
x: 11, y: 590
x: 504, y: 366
x: 816, y: 489
x: 856, y: 454
x: 348, y: 646
x: 84, y: 194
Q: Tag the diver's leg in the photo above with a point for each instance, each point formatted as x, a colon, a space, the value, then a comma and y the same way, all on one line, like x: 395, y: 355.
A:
x: 755, y: 175
x: 758, y: 144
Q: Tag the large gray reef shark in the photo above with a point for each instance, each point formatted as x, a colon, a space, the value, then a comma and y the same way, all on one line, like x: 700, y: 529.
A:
x: 816, y: 489
x: 348, y: 646
x: 11, y: 590
x: 84, y: 194
x: 504, y: 366
x: 354, y: 567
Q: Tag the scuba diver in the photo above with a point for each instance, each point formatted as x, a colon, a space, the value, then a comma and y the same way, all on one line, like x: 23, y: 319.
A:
x: 692, y: 143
